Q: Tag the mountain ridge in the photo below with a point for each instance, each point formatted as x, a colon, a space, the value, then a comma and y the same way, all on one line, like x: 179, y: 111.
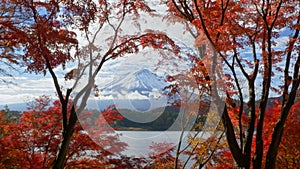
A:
x: 142, y: 83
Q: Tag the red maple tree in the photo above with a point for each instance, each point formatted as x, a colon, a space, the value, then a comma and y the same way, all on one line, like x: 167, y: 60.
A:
x: 32, y: 140
x: 288, y: 153
x: 42, y: 35
x: 245, y: 37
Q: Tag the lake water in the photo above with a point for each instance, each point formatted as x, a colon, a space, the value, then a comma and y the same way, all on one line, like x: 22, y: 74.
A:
x: 139, y: 141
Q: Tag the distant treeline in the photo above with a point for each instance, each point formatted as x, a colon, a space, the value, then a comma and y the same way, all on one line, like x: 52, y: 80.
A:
x: 165, y: 118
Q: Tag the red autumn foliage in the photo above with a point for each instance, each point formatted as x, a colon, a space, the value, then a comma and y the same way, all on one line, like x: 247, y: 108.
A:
x: 248, y: 40
x: 42, y: 36
x: 288, y: 154
x: 32, y: 140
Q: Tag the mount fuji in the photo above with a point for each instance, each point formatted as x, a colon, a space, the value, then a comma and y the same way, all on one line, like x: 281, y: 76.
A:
x: 141, y: 84
x: 140, y: 90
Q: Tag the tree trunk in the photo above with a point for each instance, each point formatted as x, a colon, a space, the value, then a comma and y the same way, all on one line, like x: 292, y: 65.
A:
x: 236, y: 152
x: 277, y: 133
x: 273, y: 150
x: 60, y: 160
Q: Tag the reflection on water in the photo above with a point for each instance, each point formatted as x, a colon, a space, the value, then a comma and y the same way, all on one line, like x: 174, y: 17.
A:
x: 139, y: 141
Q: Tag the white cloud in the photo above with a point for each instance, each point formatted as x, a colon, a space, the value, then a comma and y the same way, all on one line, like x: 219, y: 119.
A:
x: 25, y: 89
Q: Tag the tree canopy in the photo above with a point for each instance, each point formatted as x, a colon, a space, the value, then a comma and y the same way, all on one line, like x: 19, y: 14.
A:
x: 246, y: 53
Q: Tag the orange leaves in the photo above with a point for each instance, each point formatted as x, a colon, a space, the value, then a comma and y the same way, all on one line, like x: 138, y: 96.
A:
x: 32, y: 142
x: 134, y: 43
x: 289, y: 153
x: 161, y: 155
x: 197, y: 23
x: 111, y: 114
x: 242, y: 34
x: 2, y: 117
x: 135, y: 6
x: 72, y: 74
x: 158, y: 40
x: 297, y: 26
x: 201, y: 40
x: 40, y: 36
x: 234, y: 116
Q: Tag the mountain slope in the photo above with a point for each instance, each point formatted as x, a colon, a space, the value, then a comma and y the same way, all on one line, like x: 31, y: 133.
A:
x: 142, y: 83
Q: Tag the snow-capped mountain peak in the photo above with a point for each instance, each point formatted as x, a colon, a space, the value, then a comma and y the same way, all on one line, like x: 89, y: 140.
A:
x: 142, y: 84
